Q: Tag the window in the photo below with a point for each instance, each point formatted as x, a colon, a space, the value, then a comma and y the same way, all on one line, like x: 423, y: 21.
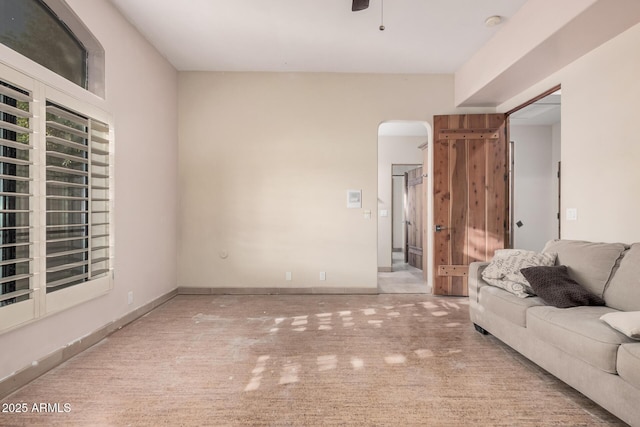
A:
x: 50, y: 34
x: 32, y: 29
x: 15, y: 193
x: 56, y: 163
x: 55, y: 200
x: 77, y: 186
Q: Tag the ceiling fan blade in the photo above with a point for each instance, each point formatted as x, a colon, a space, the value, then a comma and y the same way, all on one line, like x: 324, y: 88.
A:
x: 359, y: 5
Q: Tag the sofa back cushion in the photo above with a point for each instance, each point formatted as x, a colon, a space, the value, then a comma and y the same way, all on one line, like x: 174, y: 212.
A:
x: 590, y: 264
x: 623, y: 291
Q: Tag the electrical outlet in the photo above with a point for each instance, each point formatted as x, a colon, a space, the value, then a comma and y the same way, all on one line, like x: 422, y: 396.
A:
x: 323, y: 275
x: 130, y: 298
x: 287, y: 276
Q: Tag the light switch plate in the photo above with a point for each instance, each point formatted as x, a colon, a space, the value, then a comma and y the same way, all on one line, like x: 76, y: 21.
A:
x: 572, y: 214
x: 384, y: 212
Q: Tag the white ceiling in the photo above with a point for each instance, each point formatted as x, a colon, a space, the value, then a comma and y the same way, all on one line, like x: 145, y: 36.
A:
x: 421, y: 36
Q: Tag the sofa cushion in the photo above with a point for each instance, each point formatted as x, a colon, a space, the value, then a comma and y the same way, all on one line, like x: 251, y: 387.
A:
x: 507, y: 305
x: 504, y: 269
x: 623, y: 291
x: 590, y: 264
x: 629, y: 363
x: 557, y: 288
x: 579, y: 332
x: 627, y: 322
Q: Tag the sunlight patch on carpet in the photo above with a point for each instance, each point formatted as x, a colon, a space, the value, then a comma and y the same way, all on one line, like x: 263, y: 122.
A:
x: 395, y: 359
x: 423, y: 353
x: 328, y: 362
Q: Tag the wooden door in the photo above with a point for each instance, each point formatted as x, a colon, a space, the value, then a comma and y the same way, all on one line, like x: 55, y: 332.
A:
x: 470, y: 195
x: 414, y: 217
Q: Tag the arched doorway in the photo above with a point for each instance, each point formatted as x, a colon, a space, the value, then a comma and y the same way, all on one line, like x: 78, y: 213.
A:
x: 400, y: 151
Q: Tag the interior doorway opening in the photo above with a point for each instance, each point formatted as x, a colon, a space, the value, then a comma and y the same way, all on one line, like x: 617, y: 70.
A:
x: 400, y: 166
x: 403, y: 213
x: 535, y: 135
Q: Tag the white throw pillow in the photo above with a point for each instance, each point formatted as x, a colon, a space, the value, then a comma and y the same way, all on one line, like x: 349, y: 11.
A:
x: 627, y: 322
x: 504, y: 269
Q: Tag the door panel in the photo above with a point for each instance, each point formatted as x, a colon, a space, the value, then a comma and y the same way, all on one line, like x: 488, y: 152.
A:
x: 470, y: 195
x: 414, y: 217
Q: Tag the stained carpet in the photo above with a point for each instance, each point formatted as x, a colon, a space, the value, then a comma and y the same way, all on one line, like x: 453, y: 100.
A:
x: 386, y: 360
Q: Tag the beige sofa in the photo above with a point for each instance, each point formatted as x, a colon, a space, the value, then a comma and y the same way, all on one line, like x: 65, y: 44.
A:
x: 573, y: 343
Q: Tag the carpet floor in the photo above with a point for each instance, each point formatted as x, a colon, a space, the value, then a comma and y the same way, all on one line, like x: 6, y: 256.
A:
x: 302, y: 360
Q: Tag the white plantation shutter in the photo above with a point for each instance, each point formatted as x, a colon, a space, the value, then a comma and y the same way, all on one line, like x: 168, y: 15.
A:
x: 77, y: 193
x: 56, y: 192
x: 16, y: 198
x: 100, y: 199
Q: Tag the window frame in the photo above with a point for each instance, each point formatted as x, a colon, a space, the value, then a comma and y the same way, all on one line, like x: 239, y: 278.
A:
x: 95, y: 51
x: 95, y: 57
x: 92, y: 288
x: 41, y: 304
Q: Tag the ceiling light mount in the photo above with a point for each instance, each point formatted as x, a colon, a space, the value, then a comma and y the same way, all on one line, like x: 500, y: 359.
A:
x: 357, y: 5
x: 493, y: 21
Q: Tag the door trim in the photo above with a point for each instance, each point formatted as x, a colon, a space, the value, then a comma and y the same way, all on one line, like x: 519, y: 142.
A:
x: 534, y: 100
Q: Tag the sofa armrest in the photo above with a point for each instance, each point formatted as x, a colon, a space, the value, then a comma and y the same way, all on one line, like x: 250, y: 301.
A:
x: 475, y: 280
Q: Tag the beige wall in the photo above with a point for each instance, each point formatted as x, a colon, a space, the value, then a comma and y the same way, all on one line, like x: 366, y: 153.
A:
x: 265, y: 162
x: 141, y: 94
x: 600, y: 149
